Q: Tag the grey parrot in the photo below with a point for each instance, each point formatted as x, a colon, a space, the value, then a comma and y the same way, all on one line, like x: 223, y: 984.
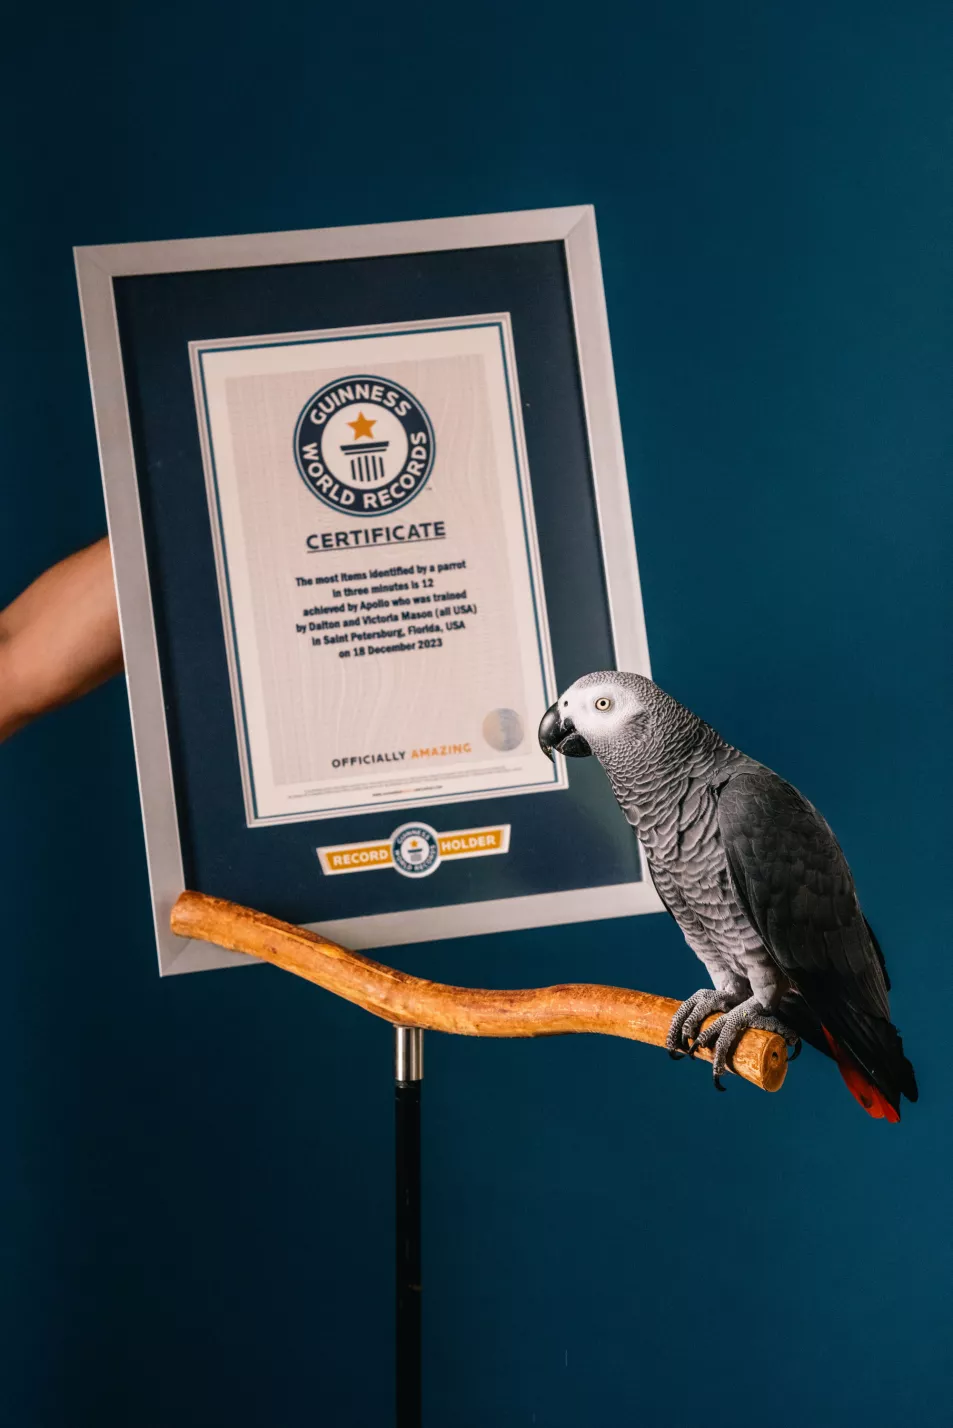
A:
x: 755, y: 879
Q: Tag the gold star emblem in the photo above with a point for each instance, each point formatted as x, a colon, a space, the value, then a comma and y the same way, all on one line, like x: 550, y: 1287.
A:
x: 362, y: 427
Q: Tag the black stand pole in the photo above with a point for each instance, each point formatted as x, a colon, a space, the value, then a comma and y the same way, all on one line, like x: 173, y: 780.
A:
x: 408, y: 1074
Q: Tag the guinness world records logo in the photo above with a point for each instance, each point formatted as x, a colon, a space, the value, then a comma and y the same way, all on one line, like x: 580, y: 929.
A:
x: 364, y: 446
x: 415, y: 850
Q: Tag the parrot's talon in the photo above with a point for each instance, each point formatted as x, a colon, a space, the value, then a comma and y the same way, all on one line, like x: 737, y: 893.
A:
x: 688, y: 1019
x: 716, y: 1082
x: 728, y: 1030
x: 688, y: 1035
x: 709, y: 1037
x: 794, y: 1050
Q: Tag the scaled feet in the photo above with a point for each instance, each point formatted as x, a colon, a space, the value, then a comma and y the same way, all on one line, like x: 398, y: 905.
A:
x: 685, y: 1035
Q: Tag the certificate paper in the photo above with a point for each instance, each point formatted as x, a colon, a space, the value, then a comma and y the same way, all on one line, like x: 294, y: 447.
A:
x: 378, y: 566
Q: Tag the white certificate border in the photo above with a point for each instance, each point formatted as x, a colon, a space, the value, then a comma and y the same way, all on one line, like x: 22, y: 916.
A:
x: 502, y: 323
x: 96, y: 267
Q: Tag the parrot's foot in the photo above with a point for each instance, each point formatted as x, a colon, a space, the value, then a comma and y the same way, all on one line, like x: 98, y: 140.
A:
x: 689, y: 1017
x: 725, y: 1033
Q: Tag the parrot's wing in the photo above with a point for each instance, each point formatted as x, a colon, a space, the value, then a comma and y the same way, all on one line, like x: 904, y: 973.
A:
x: 797, y: 891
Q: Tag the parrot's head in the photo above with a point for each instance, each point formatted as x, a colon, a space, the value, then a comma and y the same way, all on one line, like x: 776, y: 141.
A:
x: 592, y: 714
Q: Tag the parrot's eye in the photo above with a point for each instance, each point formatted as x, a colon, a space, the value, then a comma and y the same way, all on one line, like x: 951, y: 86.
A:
x: 603, y: 703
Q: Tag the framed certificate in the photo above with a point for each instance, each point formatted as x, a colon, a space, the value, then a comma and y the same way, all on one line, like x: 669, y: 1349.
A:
x: 368, y: 513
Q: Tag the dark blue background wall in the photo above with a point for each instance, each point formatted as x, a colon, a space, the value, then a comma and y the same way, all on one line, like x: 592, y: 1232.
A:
x: 194, y: 1175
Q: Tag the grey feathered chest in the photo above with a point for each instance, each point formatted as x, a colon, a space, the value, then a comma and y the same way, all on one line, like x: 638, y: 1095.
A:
x: 672, y: 804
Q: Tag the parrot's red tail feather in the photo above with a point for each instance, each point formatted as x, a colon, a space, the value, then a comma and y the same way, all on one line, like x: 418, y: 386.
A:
x: 874, y: 1102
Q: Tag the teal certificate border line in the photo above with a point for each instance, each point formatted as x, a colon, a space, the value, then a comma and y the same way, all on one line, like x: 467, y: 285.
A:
x: 266, y: 820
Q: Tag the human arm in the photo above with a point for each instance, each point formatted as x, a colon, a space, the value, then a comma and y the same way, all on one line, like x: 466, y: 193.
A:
x: 59, y: 639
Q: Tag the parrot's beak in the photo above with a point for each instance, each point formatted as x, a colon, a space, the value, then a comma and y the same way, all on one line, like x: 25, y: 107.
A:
x: 560, y: 735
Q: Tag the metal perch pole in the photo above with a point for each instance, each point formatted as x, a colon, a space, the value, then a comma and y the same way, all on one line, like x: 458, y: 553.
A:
x: 408, y: 1075
x: 412, y: 1003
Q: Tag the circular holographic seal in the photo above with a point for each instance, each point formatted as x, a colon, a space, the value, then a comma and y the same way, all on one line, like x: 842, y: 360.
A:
x: 503, y: 730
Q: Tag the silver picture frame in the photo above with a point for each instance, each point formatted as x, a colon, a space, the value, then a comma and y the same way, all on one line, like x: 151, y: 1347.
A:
x: 97, y: 268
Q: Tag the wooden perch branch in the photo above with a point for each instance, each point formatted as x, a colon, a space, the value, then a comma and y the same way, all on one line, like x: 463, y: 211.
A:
x: 761, y: 1057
